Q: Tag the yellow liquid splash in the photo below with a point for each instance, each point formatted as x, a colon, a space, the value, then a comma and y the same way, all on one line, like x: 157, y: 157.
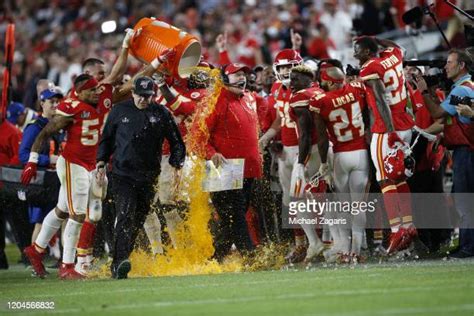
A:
x: 194, y: 240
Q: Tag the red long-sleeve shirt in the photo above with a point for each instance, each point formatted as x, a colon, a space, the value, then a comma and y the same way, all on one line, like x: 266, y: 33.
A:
x: 10, y: 138
x: 233, y: 131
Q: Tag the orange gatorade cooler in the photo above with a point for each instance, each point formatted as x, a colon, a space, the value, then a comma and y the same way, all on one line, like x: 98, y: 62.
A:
x: 156, y: 36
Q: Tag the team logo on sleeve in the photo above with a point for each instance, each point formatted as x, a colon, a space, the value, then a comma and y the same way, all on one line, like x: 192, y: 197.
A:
x: 107, y: 103
x: 195, y: 95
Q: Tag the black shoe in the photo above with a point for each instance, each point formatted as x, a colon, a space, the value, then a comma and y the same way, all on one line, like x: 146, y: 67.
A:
x: 461, y: 254
x: 122, y: 270
x: 3, y: 261
x: 55, y: 265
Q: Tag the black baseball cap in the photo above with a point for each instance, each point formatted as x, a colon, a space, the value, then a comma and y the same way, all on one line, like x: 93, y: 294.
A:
x: 144, y: 86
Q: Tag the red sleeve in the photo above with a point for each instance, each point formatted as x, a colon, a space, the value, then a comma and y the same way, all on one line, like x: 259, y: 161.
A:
x: 393, y: 50
x: 270, y: 115
x: 300, y: 99
x: 15, y: 141
x: 211, y: 123
x: 201, y: 137
x: 262, y: 109
x: 316, y: 103
x: 224, y: 58
x: 371, y: 70
x: 318, y: 49
x: 186, y: 104
x: 179, y: 107
x: 68, y: 107
x: 105, y: 98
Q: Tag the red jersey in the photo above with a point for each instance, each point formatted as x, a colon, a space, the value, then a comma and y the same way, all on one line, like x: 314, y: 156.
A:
x: 282, y: 95
x: 271, y: 114
x: 183, y: 105
x: 389, y: 68
x: 10, y: 139
x: 430, y: 159
x: 342, y: 111
x: 82, y: 140
x: 301, y: 99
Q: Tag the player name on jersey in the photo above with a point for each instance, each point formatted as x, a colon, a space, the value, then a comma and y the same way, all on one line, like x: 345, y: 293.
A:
x: 347, y: 98
x: 389, y: 62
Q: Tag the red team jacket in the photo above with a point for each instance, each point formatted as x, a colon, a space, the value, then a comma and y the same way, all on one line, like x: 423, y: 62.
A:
x: 10, y: 138
x: 233, y: 130
x: 84, y: 133
x: 431, y: 159
x: 342, y: 111
x: 389, y: 68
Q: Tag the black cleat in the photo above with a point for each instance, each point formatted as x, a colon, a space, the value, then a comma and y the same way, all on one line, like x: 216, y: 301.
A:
x: 123, y: 269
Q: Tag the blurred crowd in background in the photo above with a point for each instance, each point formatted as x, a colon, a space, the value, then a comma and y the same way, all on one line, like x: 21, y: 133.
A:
x: 54, y: 36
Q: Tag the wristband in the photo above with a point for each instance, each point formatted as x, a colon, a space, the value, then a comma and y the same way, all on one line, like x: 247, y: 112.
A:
x: 155, y: 63
x: 33, y: 157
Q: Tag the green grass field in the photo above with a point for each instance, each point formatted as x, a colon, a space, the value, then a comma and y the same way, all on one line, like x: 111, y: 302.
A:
x: 406, y: 288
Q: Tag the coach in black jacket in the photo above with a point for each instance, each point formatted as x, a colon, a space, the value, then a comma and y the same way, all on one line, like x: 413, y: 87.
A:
x: 134, y: 134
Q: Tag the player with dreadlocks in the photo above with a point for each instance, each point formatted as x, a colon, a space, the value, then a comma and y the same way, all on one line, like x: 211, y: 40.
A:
x: 306, y: 161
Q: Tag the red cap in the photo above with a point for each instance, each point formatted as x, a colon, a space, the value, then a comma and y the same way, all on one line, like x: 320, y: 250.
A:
x: 233, y: 68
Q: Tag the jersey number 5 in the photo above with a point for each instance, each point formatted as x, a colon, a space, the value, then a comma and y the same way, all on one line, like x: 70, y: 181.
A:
x: 90, y: 132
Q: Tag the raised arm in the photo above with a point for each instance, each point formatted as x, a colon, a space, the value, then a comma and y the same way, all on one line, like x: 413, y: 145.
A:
x: 121, y: 63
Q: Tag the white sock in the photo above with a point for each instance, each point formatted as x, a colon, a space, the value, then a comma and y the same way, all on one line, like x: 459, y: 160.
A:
x: 357, y: 237
x: 172, y: 221
x: 71, y: 236
x: 309, y: 231
x: 394, y: 228
x: 345, y: 239
x: 334, y: 230
x: 152, y: 228
x: 51, y: 225
x: 345, y: 232
x: 358, y: 232
x: 326, y: 233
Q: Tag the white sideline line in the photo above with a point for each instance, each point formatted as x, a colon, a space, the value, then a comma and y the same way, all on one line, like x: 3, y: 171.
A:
x: 406, y: 310
x: 317, y: 295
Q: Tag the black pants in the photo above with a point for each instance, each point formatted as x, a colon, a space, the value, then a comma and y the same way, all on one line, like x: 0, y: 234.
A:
x: 15, y: 212
x: 132, y: 204
x: 431, y: 182
x: 265, y: 203
x: 232, y: 228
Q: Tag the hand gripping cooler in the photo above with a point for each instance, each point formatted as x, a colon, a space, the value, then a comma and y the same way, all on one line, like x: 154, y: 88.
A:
x: 156, y: 36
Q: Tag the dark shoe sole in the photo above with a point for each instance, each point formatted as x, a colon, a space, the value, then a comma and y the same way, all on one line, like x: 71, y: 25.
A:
x: 123, y: 269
